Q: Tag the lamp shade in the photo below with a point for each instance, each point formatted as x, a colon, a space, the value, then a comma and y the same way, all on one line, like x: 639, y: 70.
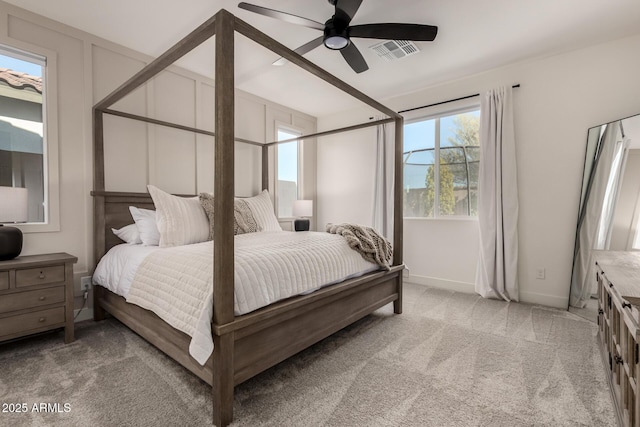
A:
x: 303, y: 208
x: 13, y: 204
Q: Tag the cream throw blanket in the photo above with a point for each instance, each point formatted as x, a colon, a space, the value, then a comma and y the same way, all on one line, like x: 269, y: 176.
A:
x: 366, y: 241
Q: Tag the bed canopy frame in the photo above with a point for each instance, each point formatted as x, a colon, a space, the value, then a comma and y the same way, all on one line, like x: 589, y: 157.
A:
x: 249, y: 344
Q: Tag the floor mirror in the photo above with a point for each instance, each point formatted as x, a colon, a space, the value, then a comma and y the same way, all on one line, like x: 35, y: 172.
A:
x: 609, y: 211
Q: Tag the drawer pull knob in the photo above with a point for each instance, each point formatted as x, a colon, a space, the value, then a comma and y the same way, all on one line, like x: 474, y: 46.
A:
x: 41, y: 276
x: 42, y: 319
x: 626, y: 304
x: 42, y: 298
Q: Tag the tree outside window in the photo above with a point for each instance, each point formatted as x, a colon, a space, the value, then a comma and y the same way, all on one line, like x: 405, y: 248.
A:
x: 441, y: 161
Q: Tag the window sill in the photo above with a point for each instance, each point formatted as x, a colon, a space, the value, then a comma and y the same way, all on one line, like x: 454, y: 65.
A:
x: 443, y: 218
x: 36, y: 228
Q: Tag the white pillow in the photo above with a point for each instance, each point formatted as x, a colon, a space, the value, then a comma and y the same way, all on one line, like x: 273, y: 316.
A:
x: 263, y: 212
x: 146, y: 222
x: 129, y: 234
x: 181, y: 220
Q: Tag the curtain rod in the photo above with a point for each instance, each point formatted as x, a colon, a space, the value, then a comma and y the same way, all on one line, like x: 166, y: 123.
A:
x: 446, y: 102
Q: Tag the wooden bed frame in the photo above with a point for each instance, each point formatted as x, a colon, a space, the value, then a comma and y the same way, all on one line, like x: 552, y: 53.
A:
x: 249, y: 344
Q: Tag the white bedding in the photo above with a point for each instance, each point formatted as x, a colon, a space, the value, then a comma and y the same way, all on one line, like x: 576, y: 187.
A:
x: 176, y: 283
x: 116, y: 269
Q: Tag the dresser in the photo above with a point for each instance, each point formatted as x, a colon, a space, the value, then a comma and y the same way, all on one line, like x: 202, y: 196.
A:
x: 618, y: 278
x: 36, y: 295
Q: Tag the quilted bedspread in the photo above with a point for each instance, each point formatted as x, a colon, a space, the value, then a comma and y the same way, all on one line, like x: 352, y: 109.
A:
x: 177, y: 283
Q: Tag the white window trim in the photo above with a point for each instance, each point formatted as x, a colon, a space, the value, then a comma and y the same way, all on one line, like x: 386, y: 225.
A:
x: 295, y: 130
x: 459, y: 107
x: 50, y: 136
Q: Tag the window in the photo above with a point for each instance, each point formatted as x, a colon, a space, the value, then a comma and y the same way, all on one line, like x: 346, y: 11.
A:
x: 23, y: 151
x: 288, y: 172
x: 441, y: 160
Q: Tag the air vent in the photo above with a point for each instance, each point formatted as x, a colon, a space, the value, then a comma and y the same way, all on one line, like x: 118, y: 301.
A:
x: 391, y: 50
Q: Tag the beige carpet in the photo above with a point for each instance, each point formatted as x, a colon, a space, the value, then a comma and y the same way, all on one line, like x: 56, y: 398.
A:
x: 450, y: 360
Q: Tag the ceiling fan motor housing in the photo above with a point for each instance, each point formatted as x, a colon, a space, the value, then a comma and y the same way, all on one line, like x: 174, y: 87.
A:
x: 336, y: 35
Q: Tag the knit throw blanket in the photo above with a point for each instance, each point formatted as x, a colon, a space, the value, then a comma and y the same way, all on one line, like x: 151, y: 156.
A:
x: 366, y: 241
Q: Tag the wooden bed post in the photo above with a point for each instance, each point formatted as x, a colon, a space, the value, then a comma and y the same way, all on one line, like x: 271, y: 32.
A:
x: 98, y: 205
x: 265, y: 167
x: 223, y: 256
x: 398, y: 207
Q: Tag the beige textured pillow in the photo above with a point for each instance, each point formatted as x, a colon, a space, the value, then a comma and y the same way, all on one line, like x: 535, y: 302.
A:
x: 206, y: 200
x: 243, y: 220
x: 181, y: 220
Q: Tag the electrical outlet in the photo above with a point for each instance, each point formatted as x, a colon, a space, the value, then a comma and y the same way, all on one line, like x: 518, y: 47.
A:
x: 85, y: 283
x: 540, y: 273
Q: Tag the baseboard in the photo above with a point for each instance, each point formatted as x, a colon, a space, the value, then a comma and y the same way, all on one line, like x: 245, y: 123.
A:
x: 546, y: 300
x: 469, y: 288
x: 87, y: 314
x: 434, y: 282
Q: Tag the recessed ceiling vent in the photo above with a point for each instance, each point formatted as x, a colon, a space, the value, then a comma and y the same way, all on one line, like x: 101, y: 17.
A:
x: 391, y: 50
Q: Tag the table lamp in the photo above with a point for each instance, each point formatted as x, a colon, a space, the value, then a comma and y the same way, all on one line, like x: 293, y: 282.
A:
x: 13, y: 209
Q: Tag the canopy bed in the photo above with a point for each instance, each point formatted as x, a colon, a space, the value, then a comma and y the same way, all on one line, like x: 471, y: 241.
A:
x: 247, y: 344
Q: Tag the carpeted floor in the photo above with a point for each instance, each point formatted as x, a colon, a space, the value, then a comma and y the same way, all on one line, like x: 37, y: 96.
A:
x: 450, y: 359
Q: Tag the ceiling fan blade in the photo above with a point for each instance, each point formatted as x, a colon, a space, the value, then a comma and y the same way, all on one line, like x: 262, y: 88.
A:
x: 347, y: 9
x: 415, y: 32
x: 307, y: 47
x: 283, y: 16
x: 354, y: 58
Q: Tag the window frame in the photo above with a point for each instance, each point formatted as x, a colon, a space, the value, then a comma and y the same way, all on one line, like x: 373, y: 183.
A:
x: 286, y: 127
x: 459, y: 107
x: 51, y: 172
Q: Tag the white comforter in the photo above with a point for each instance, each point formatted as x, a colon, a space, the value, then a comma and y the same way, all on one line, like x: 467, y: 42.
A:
x: 176, y: 283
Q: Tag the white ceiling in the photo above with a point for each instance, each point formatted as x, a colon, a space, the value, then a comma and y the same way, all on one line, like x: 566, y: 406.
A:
x: 474, y: 36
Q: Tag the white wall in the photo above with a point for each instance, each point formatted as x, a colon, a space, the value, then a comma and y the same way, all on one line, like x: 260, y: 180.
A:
x: 88, y: 68
x: 560, y: 98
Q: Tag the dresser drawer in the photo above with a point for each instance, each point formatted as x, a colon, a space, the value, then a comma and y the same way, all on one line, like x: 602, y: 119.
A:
x: 29, y: 299
x: 4, y: 280
x: 32, y: 321
x: 39, y: 276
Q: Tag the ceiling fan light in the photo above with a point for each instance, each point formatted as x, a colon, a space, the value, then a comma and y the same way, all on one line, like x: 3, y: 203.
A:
x: 336, y: 42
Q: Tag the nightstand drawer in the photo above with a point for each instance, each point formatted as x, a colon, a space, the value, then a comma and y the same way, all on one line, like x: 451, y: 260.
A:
x: 32, y: 321
x: 4, y: 280
x: 39, y: 276
x: 29, y: 299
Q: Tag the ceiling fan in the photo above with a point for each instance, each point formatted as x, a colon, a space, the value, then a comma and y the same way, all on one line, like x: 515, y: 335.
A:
x: 338, y: 33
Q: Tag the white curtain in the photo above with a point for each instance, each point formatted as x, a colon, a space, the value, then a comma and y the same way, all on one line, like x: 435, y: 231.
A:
x: 594, y: 223
x: 497, y: 273
x: 383, y: 189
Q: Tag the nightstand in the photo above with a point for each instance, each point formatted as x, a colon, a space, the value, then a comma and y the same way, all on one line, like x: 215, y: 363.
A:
x: 36, y: 295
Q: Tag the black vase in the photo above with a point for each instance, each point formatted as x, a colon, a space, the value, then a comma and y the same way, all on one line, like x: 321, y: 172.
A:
x: 10, y: 242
